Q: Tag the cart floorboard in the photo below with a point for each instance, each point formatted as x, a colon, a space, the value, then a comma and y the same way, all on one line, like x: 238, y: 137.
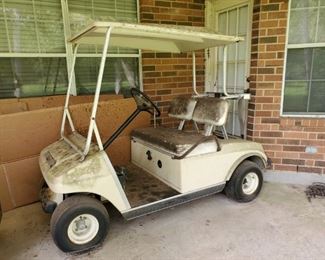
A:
x: 142, y: 188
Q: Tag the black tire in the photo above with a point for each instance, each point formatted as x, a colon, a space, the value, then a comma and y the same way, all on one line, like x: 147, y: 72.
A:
x: 234, y: 188
x: 70, y: 209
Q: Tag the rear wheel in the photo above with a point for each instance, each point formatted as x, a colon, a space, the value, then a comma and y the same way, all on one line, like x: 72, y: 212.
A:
x: 79, y: 223
x: 245, y: 183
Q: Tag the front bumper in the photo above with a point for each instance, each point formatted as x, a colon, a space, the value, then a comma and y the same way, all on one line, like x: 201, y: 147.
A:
x: 46, y: 198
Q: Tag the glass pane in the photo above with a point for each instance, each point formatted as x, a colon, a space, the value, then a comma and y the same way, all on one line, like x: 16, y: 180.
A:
x: 232, y: 22
x: 22, y: 36
x: 128, y: 6
x: 242, y: 26
x: 51, y: 39
x: 229, y: 123
x: 7, y: 85
x: 304, y: 3
x: 222, y: 23
x: 302, y: 28
x: 25, y: 77
x: 242, y: 48
x: 3, y: 37
x: 33, y: 26
x: 231, y: 52
x: 298, y: 64
x: 295, y: 96
x: 317, y: 97
x: 220, y: 77
x: 82, y: 13
x: 319, y: 64
x: 240, y: 78
x: 237, y: 130
x: 321, y: 25
x: 231, y: 77
x: 220, y: 54
x: 48, y: 10
x: 120, y: 74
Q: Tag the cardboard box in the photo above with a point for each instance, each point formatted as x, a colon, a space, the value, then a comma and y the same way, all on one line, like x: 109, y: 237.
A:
x: 9, y: 108
x: 5, y: 198
x: 24, y: 134
x: 119, y: 151
x: 14, y: 105
x: 24, y: 180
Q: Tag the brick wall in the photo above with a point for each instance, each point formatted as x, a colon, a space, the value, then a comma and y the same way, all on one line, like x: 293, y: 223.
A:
x: 168, y: 75
x: 284, y: 138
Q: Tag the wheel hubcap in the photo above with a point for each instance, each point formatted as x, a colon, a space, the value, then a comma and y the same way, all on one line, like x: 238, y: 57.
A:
x: 83, y: 229
x: 250, y: 183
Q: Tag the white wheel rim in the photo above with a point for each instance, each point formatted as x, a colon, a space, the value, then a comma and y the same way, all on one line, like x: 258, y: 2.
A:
x: 83, y: 229
x: 250, y: 183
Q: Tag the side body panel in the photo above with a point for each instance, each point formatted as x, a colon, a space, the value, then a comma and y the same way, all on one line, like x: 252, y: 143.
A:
x: 195, y: 172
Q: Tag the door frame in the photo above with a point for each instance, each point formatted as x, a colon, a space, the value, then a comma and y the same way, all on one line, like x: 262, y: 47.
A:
x: 212, y: 8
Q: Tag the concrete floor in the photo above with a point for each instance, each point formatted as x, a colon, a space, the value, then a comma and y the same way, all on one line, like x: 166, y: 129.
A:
x: 280, y: 224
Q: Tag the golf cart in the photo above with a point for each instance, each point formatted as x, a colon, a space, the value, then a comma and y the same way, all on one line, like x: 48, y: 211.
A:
x: 168, y: 166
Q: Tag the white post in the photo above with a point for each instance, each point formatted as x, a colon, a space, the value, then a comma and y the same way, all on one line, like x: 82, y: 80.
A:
x: 225, y: 51
x: 66, y: 105
x: 194, y: 74
x: 97, y: 93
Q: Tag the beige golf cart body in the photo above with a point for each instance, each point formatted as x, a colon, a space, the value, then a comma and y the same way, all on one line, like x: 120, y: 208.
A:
x: 75, y: 164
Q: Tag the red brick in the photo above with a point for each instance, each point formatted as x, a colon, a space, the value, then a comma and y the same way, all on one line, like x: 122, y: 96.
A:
x: 287, y: 155
x: 293, y: 148
x: 288, y: 141
x: 268, y: 24
x: 293, y: 161
x: 295, y: 135
x: 271, y: 134
x: 320, y: 163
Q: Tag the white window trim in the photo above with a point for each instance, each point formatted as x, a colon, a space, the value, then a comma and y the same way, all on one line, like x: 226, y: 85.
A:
x: 69, y: 52
x: 296, y: 46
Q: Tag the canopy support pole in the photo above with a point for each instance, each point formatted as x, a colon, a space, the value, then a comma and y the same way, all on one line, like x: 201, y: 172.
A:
x: 66, y: 113
x: 225, y: 54
x: 194, y: 74
x: 93, y: 126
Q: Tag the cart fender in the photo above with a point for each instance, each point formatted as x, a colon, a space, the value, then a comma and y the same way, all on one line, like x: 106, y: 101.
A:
x: 257, y: 157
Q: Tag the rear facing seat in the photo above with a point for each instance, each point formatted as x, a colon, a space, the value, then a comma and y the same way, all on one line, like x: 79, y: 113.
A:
x: 205, y: 110
x: 182, y: 107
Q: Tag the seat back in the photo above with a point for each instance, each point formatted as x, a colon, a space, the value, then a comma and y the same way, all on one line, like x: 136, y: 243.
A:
x: 211, y: 111
x: 182, y: 107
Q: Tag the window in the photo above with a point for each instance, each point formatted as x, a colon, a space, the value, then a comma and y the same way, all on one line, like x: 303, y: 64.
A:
x: 304, y: 83
x: 122, y: 63
x: 34, y: 56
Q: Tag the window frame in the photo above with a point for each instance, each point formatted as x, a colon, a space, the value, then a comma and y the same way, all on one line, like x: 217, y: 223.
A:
x: 68, y: 54
x: 296, y: 46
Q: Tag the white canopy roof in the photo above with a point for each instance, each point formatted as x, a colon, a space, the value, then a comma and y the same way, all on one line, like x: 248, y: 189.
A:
x: 161, y: 38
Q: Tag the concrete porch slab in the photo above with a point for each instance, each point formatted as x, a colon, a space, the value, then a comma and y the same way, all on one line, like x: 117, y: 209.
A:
x: 280, y: 224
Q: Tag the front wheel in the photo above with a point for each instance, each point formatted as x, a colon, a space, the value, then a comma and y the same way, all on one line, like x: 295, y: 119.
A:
x: 79, y: 223
x: 245, y: 183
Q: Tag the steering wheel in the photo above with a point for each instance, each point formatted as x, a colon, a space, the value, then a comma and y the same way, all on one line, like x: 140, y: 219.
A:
x: 143, y: 102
